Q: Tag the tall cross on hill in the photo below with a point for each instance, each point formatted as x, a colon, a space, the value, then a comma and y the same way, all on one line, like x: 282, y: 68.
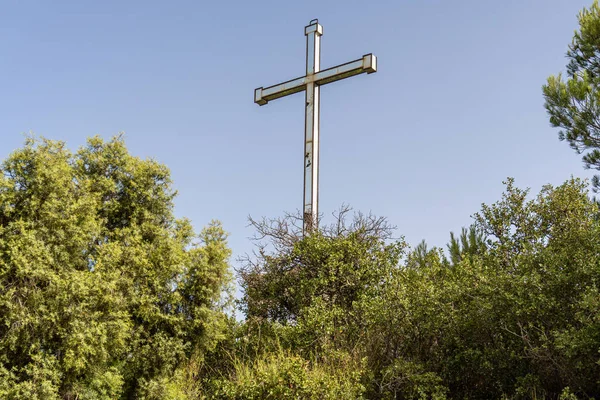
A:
x: 310, y: 83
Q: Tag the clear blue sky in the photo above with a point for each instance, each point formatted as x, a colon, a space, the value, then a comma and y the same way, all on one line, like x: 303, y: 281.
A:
x: 455, y: 108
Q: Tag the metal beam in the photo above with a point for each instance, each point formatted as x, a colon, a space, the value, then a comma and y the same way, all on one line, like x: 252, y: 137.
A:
x: 368, y: 64
x: 263, y: 96
x: 313, y: 34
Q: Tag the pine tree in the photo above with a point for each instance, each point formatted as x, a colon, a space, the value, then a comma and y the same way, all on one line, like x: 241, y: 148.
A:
x: 573, y: 104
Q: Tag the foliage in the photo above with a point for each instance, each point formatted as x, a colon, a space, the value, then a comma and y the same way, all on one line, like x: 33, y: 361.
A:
x: 513, y: 314
x: 470, y: 243
x: 574, y: 103
x: 103, y: 293
x: 317, y: 283
x: 280, y: 375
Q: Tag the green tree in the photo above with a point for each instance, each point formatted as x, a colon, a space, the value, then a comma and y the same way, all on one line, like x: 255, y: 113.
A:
x: 103, y: 293
x: 339, y: 293
x: 327, y: 272
x: 573, y: 103
x: 517, y: 320
x: 470, y: 243
x: 546, y: 254
x: 514, y: 315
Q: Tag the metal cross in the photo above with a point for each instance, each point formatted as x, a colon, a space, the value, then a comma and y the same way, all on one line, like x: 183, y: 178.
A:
x: 310, y: 83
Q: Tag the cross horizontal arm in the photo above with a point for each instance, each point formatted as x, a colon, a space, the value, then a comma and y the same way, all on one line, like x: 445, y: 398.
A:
x: 263, y: 95
x: 368, y: 64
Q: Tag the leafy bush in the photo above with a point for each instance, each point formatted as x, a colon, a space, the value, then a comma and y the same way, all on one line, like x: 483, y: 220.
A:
x: 515, y: 316
x: 281, y: 375
x: 103, y: 293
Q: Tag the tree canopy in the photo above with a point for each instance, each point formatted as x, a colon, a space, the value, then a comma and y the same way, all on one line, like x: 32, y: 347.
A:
x: 103, y: 293
x: 513, y: 313
x: 573, y: 101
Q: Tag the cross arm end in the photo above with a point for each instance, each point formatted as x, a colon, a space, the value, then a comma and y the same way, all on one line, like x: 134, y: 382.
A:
x: 370, y: 63
x: 258, y: 97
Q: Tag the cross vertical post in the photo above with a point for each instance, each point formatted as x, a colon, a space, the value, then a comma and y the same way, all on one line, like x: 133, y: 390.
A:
x: 311, y: 84
x: 313, y: 34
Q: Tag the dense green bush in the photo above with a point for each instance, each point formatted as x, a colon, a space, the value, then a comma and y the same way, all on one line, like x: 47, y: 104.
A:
x: 103, y: 293
x: 516, y: 316
x: 280, y: 375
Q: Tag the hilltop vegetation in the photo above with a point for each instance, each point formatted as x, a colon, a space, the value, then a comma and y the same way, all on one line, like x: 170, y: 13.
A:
x: 104, y: 294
